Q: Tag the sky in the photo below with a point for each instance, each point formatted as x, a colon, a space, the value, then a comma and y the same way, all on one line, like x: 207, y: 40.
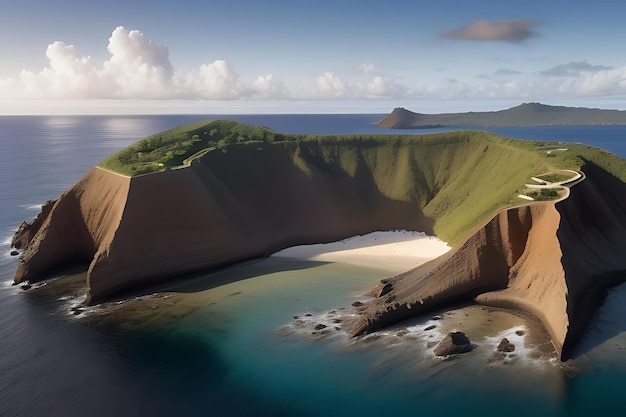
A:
x: 305, y: 56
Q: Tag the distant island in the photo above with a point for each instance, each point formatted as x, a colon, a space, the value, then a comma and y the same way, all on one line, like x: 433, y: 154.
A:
x: 527, y: 114
x: 215, y: 193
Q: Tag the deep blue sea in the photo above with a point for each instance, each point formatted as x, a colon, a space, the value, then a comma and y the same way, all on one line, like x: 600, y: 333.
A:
x: 233, y: 357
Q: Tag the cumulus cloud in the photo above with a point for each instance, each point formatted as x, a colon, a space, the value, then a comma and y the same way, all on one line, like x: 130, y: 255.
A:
x: 331, y: 86
x: 140, y: 69
x: 381, y: 87
x: 137, y: 68
x: 266, y: 86
x: 217, y: 81
x: 485, y: 30
x: 68, y: 73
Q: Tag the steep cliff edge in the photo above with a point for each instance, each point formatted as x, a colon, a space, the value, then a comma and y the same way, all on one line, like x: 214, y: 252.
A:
x: 72, y: 229
x: 250, y: 200
x: 136, y: 231
x: 554, y: 260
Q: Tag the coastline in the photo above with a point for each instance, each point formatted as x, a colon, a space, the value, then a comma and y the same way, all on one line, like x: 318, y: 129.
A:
x: 310, y: 272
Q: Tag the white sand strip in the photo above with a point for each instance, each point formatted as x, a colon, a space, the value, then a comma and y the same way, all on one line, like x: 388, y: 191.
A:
x: 396, y: 251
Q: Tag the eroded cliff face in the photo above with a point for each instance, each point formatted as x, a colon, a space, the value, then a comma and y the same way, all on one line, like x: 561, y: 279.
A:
x: 481, y: 264
x: 226, y: 207
x: 70, y: 230
x: 553, y: 260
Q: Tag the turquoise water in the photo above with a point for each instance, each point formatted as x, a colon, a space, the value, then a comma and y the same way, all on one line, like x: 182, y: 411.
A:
x: 242, y: 353
x: 249, y: 326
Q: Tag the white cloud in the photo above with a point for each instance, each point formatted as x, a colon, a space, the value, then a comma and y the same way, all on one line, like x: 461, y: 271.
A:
x: 137, y: 67
x: 382, y: 87
x: 217, y: 81
x: 331, y: 86
x: 269, y: 87
x: 140, y: 69
x: 68, y: 75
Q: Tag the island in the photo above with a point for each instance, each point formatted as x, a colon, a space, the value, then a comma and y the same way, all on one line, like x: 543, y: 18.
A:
x: 214, y: 193
x: 526, y: 114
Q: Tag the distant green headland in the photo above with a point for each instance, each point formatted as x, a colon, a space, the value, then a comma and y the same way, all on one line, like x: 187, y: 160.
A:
x: 527, y: 114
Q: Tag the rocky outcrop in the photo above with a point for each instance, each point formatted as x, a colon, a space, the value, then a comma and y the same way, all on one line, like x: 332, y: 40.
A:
x: 505, y: 346
x: 553, y: 260
x: 454, y: 343
x: 27, y: 230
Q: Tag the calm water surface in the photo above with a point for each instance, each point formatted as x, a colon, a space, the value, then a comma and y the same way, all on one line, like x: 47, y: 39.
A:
x: 237, y: 355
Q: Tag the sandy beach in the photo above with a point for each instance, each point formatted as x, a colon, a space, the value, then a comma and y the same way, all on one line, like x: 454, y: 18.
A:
x: 393, y: 251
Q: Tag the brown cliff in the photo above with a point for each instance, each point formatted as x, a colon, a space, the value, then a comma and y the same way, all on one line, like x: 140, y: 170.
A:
x: 135, y: 232
x: 554, y: 260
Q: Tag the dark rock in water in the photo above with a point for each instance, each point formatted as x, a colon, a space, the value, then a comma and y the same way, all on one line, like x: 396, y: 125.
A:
x: 437, y: 318
x: 505, y: 346
x: 337, y: 320
x: 308, y: 315
x: 26, y: 286
x: 453, y: 343
x: 402, y: 333
x: 296, y: 317
x: 14, y: 253
x: 520, y: 333
x: 357, y: 304
x: 320, y: 326
x: 430, y: 328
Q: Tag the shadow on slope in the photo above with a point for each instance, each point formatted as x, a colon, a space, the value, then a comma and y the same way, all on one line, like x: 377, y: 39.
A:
x: 592, y: 233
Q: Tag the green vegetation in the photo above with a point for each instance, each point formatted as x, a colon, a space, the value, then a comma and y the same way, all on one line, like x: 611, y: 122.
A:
x: 555, y: 176
x: 527, y: 114
x: 544, y: 194
x: 177, y: 147
x: 459, y: 179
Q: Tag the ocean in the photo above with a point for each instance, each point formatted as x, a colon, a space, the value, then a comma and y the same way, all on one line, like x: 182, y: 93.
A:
x: 236, y: 349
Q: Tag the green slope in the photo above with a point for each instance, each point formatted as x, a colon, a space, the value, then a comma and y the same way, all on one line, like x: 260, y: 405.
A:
x: 458, y: 179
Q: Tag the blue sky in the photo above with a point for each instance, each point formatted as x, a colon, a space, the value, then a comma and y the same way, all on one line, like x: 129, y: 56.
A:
x: 308, y: 56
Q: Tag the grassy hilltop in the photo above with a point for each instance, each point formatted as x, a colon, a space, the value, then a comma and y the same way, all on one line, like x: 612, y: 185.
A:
x: 458, y: 179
